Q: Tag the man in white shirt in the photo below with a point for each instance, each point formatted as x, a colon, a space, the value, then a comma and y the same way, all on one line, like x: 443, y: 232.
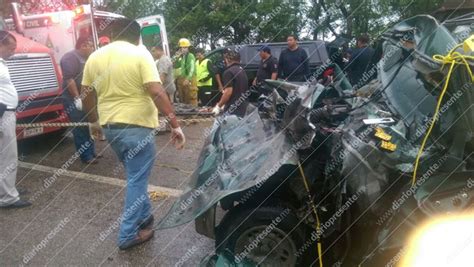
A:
x: 9, y: 196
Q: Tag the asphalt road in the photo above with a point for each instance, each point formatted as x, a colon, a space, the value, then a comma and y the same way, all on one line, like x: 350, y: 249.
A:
x: 74, y: 217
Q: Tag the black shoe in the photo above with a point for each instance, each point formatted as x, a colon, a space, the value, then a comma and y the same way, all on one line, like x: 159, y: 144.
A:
x: 17, y: 205
x: 142, y: 237
x: 147, y: 223
x: 22, y: 191
x: 92, y: 161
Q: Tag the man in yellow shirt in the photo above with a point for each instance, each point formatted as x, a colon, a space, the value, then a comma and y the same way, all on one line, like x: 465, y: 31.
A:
x: 123, y: 78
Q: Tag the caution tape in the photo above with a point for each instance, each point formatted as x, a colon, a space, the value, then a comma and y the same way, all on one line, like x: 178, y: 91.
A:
x: 86, y: 124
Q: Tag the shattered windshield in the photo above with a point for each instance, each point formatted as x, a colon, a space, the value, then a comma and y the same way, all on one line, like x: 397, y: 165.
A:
x: 229, y: 163
x: 407, y: 93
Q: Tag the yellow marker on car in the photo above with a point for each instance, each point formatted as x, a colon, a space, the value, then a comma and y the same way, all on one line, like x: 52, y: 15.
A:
x: 388, y: 146
x: 381, y: 134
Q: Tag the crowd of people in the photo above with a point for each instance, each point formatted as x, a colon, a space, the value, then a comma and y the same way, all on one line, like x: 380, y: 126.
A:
x: 119, y: 89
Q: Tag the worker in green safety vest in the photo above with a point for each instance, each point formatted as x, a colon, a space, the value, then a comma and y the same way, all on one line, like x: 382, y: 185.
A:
x: 204, y: 74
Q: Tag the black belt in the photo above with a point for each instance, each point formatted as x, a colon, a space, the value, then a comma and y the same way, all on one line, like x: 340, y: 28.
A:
x: 120, y: 126
x: 10, y: 109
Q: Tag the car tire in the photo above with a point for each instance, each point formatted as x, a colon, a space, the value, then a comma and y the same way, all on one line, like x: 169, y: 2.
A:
x: 267, y: 236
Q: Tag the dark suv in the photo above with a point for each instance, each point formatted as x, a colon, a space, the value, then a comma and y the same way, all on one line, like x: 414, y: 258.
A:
x: 319, y: 53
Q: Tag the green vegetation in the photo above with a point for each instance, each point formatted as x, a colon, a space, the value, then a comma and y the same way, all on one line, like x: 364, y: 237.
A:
x: 207, y: 22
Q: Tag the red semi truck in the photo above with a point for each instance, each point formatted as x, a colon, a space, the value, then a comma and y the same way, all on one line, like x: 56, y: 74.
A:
x: 37, y: 78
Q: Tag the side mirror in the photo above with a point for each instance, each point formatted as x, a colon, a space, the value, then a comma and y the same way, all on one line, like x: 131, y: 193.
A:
x: 17, y: 18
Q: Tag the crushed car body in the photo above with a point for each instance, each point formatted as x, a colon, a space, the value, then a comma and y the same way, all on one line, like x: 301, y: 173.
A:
x: 336, y: 165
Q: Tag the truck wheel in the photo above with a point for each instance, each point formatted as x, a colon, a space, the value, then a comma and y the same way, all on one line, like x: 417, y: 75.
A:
x: 267, y: 236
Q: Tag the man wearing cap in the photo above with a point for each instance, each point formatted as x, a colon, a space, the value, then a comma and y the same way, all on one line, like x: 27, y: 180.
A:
x: 186, y: 63
x: 103, y: 41
x: 268, y: 68
x: 234, y: 100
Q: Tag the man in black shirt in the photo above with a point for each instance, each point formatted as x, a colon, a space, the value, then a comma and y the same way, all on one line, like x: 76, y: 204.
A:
x: 268, y: 68
x: 234, y: 100
x: 361, y: 68
x: 293, y: 64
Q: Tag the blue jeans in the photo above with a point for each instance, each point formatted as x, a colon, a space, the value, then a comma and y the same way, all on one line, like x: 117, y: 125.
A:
x: 82, y: 137
x: 135, y: 148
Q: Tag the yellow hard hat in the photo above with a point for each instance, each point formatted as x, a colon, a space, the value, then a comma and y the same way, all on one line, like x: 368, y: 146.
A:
x: 183, y: 42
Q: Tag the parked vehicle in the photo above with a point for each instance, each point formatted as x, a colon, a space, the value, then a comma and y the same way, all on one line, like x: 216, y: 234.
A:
x: 36, y: 77
x: 320, y: 53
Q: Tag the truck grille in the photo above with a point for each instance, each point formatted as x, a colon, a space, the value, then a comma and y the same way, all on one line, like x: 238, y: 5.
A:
x: 33, y: 74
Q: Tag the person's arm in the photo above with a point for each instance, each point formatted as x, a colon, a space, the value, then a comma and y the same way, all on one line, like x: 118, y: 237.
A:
x: 274, y: 70
x: 72, y: 88
x: 152, y: 84
x: 274, y: 76
x: 191, y: 63
x: 70, y: 68
x: 89, y: 96
x: 226, y: 94
x: 163, y: 76
x: 280, y: 65
x: 163, y: 69
x: 219, y: 82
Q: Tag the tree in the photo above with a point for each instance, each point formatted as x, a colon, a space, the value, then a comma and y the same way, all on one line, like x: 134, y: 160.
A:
x: 132, y: 9
x: 210, y: 22
x: 352, y: 17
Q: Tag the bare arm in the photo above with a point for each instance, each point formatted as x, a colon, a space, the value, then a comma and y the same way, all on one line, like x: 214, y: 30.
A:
x: 219, y: 81
x: 226, y: 94
x: 274, y: 75
x: 90, y: 103
x: 72, y: 88
x: 162, y: 102
x: 163, y: 76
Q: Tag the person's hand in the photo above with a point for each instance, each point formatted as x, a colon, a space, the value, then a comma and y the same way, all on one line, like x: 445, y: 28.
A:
x: 95, y: 130
x: 178, y: 138
x: 78, y: 103
x: 216, y: 110
x: 186, y: 82
x: 221, y: 88
x: 254, y: 82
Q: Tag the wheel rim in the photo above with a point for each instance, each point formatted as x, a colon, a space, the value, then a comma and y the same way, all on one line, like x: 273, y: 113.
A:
x: 273, y: 249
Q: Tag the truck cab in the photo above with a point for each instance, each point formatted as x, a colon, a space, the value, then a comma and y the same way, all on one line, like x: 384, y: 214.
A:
x: 36, y: 77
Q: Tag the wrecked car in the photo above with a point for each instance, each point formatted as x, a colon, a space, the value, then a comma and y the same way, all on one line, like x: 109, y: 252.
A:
x: 323, y: 173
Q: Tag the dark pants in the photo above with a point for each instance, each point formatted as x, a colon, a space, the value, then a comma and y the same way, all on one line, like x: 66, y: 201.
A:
x: 83, y: 141
x: 207, y: 96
